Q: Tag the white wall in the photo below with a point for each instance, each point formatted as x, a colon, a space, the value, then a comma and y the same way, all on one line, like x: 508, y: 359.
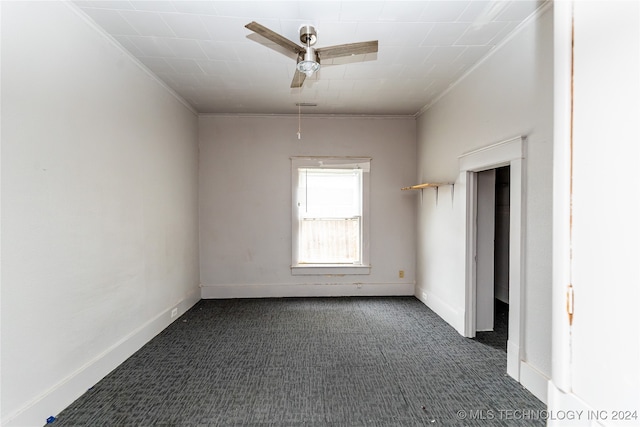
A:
x: 510, y: 94
x: 245, y: 203
x: 99, y: 208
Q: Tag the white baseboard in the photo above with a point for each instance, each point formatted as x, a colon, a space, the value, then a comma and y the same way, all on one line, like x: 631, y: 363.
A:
x: 61, y: 395
x: 513, y: 360
x: 534, y: 381
x: 449, y: 314
x: 283, y: 290
x: 566, y: 409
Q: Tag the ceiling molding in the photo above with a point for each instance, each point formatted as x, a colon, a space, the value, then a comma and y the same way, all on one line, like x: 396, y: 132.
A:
x: 133, y: 59
x: 533, y: 17
x: 324, y: 116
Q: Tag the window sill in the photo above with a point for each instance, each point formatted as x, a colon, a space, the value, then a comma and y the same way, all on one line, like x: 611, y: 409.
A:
x: 329, y: 270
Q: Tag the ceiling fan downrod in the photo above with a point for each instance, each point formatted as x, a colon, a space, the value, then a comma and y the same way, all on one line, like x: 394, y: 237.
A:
x: 308, y: 35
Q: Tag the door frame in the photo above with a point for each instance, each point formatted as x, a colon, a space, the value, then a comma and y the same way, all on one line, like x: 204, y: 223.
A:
x: 506, y: 153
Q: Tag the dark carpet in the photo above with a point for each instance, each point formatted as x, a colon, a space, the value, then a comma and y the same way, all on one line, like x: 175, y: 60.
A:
x: 308, y: 361
x: 498, y: 337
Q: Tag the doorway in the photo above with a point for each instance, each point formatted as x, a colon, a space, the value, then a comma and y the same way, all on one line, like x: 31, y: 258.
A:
x: 492, y: 256
x: 508, y: 153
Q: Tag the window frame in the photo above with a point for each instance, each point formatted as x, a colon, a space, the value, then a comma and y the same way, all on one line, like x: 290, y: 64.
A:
x: 363, y: 267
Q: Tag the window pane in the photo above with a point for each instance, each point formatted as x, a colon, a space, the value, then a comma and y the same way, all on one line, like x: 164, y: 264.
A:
x: 330, y: 193
x: 330, y: 241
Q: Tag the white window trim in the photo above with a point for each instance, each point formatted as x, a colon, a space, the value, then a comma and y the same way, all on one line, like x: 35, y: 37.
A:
x: 330, y: 269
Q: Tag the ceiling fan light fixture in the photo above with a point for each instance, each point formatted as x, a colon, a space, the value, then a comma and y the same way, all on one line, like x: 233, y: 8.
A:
x: 308, y: 65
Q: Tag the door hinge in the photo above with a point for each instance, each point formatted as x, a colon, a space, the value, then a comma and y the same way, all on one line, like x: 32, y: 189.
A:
x: 570, y: 303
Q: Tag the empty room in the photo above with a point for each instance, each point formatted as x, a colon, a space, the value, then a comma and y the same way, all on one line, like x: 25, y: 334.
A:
x: 319, y: 213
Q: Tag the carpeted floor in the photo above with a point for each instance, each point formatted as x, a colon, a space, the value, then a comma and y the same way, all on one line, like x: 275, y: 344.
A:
x: 498, y: 337
x: 311, y: 362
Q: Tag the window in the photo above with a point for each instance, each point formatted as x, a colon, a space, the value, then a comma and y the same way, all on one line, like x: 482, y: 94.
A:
x: 329, y: 217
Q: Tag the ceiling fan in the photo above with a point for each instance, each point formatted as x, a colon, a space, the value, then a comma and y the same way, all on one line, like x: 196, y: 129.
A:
x: 309, y: 58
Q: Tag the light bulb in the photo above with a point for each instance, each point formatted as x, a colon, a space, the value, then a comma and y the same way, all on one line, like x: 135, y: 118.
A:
x: 308, y: 65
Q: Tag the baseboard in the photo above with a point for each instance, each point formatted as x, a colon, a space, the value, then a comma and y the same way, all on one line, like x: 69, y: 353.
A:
x: 566, y: 409
x: 534, y: 381
x: 282, y: 290
x: 449, y: 314
x: 513, y: 360
x: 61, y: 395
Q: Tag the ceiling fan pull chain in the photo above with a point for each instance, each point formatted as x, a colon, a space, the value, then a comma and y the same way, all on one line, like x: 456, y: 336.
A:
x: 299, y: 107
x: 299, y: 130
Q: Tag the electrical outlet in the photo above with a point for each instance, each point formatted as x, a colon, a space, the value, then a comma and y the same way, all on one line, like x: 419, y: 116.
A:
x: 401, y: 274
x: 174, y: 312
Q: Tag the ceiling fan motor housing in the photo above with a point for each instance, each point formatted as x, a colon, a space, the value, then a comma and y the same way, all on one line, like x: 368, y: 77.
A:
x: 308, y: 35
x: 309, y: 55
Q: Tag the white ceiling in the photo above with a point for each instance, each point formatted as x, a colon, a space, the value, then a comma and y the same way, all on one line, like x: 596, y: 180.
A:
x: 202, y: 50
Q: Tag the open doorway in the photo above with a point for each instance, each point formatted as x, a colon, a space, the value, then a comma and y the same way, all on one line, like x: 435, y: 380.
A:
x: 507, y: 153
x: 492, y: 249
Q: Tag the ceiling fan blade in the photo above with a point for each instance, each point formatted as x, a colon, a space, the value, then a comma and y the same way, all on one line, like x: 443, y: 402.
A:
x: 347, y: 49
x: 275, y: 37
x: 298, y: 79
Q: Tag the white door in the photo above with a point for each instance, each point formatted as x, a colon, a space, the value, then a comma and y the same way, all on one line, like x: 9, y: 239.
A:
x: 485, y: 249
x: 596, y: 350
